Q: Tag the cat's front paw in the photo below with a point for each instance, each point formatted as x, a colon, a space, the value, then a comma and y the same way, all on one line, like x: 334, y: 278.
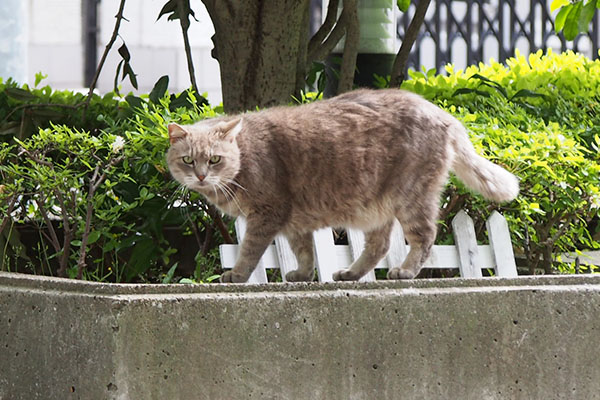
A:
x: 298, y: 276
x: 345, y: 275
x: 232, y: 277
x: 399, y: 273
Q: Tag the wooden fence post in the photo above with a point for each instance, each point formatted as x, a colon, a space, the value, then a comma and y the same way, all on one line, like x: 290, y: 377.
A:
x: 466, y: 245
x: 501, y: 246
x: 325, y: 254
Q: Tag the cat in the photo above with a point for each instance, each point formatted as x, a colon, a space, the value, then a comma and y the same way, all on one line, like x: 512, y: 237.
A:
x: 360, y: 160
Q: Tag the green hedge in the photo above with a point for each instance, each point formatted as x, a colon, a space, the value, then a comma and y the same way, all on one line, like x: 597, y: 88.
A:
x: 538, y: 116
x: 88, y: 193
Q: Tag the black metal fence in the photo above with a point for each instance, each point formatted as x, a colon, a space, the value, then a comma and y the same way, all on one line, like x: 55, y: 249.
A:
x: 465, y: 32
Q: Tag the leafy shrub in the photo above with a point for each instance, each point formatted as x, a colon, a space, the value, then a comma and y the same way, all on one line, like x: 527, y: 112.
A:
x: 24, y: 110
x: 538, y: 117
x: 101, y: 205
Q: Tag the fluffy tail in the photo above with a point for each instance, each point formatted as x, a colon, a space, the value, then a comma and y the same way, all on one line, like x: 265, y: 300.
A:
x: 489, y: 179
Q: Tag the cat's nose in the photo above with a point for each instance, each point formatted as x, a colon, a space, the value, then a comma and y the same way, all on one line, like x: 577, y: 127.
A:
x: 200, y: 177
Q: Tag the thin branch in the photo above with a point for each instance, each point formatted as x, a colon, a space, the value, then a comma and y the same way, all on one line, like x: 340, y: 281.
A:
x: 412, y: 32
x: 109, y: 45
x: 322, y: 51
x: 325, y: 29
x: 7, y: 217
x: 207, y: 240
x: 185, y: 24
x: 54, y: 238
x: 214, y: 213
x: 350, y: 47
x: 67, y: 234
x: 95, y: 183
x: 196, y: 232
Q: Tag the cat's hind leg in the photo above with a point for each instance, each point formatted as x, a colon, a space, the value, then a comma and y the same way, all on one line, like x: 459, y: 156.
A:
x: 377, y: 244
x: 420, y: 232
x: 303, y: 247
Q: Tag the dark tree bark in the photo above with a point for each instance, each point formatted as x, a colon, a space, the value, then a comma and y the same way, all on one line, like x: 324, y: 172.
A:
x: 257, y: 44
x: 264, y: 51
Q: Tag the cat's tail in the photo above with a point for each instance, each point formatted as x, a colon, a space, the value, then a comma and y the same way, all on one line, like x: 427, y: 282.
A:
x: 489, y: 179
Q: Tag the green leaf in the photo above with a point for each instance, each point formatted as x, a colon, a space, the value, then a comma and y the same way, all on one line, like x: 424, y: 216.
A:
x: 561, y: 17
x: 169, y: 7
x: 403, y: 5
x: 134, y: 101
x: 93, y: 237
x: 169, y: 276
x: 159, y: 89
x: 527, y: 93
x: 556, y: 4
x: 39, y: 77
x: 460, y: 91
x: 587, y: 13
x: 128, y: 71
x: 124, y: 52
x: 116, y: 83
x: 19, y: 94
x: 571, y: 28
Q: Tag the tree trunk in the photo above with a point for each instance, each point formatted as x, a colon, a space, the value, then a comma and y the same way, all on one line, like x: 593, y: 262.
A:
x: 258, y: 45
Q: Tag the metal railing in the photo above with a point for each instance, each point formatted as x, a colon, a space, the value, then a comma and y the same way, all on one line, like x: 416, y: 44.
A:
x: 465, y: 32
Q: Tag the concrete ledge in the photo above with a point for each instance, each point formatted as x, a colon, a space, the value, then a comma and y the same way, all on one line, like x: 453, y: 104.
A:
x: 524, y: 338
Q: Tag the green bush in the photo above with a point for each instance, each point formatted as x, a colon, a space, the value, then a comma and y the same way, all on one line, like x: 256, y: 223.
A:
x: 538, y: 116
x: 101, y: 204
x: 24, y: 110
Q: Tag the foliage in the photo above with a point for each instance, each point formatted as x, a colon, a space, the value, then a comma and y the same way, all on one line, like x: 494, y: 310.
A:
x: 574, y: 16
x: 538, y: 117
x: 24, y: 110
x: 101, y: 203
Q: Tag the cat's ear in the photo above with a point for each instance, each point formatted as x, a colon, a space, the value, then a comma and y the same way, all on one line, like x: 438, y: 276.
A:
x: 176, y: 133
x: 231, y: 129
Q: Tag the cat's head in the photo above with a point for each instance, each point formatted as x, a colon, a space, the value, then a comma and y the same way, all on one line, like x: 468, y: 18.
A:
x: 205, y: 155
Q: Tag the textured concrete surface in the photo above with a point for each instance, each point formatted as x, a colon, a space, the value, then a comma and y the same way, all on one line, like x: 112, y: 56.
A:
x: 525, y: 338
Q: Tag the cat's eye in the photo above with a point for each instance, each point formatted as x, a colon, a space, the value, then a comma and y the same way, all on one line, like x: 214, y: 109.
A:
x: 187, y: 160
x: 214, y: 160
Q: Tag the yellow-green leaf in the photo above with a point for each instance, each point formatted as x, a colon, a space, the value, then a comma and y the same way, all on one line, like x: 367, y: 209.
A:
x: 556, y: 4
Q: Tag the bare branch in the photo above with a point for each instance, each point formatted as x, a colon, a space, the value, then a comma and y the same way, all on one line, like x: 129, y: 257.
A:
x: 412, y: 32
x: 350, y: 46
x: 320, y: 52
x: 54, y: 238
x: 7, y: 217
x: 185, y: 24
x: 95, y: 183
x: 115, y: 33
x: 325, y: 29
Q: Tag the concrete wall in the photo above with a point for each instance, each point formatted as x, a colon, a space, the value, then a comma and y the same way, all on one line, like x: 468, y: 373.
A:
x: 526, y: 338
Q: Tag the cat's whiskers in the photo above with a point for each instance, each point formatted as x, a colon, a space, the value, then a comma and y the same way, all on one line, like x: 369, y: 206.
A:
x: 233, y: 182
x: 230, y: 196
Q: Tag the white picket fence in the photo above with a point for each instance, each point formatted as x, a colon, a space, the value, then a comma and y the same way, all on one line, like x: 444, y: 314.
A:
x: 468, y: 257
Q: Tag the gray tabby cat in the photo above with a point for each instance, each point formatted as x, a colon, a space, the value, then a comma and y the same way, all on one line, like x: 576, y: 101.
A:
x: 358, y: 160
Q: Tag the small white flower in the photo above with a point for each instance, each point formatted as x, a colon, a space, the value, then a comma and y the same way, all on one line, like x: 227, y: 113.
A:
x: 118, y: 144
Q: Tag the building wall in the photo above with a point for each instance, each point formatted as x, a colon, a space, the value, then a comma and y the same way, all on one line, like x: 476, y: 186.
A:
x: 156, y: 47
